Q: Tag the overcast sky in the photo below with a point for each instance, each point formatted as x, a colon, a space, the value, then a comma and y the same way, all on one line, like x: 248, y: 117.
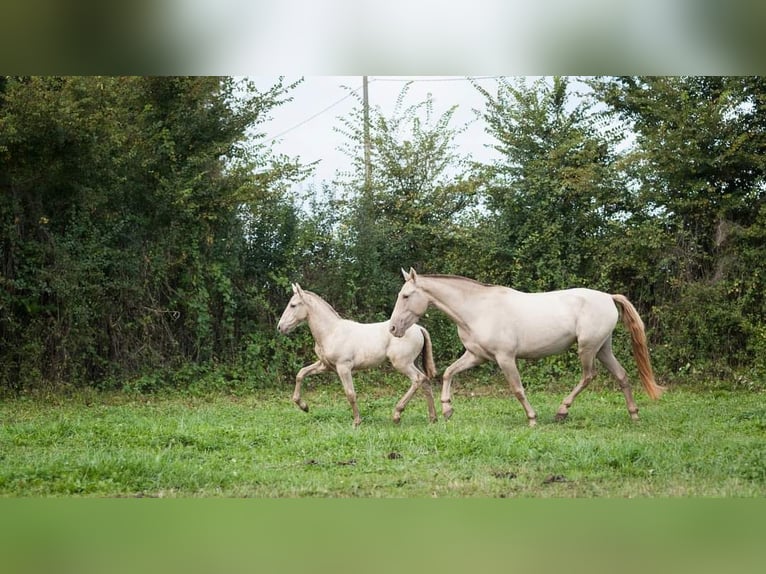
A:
x: 304, y: 127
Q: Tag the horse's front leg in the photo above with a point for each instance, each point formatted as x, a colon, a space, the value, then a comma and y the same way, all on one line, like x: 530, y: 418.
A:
x: 467, y: 361
x: 511, y: 372
x: 344, y: 373
x: 318, y: 367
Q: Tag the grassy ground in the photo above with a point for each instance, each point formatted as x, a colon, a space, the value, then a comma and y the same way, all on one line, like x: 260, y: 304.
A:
x: 690, y: 443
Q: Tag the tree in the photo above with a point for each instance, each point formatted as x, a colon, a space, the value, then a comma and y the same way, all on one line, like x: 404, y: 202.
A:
x: 698, y: 167
x: 122, y: 235
x: 554, y: 195
x: 700, y: 161
x: 420, y: 188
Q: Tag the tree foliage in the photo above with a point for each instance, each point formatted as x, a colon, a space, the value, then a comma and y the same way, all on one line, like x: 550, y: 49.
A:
x: 419, y: 188
x: 555, y: 194
x: 698, y: 169
x: 148, y: 235
x: 123, y: 248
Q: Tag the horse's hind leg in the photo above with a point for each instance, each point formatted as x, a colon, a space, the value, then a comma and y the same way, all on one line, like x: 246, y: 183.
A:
x: 418, y: 380
x: 587, y: 358
x: 344, y: 372
x: 317, y: 367
x: 608, y: 359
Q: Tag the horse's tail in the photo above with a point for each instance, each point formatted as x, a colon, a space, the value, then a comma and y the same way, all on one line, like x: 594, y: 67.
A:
x: 635, y: 325
x: 427, y: 355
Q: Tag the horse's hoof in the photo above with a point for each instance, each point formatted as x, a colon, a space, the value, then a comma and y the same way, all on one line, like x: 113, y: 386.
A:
x: 533, y: 422
x: 447, y: 414
x: 561, y: 417
x: 304, y: 407
x: 397, y: 418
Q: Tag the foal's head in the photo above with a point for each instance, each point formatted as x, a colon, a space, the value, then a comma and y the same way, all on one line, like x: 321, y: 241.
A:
x: 296, y: 311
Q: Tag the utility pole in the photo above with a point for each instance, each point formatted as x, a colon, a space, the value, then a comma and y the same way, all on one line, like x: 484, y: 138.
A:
x: 366, y: 111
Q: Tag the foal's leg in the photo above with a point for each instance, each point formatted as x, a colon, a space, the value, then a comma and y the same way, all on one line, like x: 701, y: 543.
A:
x: 344, y: 372
x: 608, y: 359
x: 511, y: 372
x: 418, y: 380
x: 465, y: 362
x: 318, y: 367
x: 587, y: 358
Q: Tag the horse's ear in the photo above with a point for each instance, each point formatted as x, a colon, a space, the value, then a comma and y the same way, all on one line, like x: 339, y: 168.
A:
x: 413, y: 275
x: 297, y: 290
x: 405, y: 274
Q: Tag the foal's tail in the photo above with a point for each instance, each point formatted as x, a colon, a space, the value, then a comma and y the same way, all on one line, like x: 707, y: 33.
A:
x: 635, y: 325
x: 427, y: 355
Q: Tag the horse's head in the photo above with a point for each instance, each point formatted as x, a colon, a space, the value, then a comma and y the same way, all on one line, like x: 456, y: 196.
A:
x: 296, y: 311
x: 411, y: 303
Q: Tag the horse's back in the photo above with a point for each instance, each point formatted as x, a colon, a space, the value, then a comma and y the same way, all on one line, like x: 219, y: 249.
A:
x: 540, y: 324
x: 370, y: 344
x: 365, y: 334
x: 576, y: 309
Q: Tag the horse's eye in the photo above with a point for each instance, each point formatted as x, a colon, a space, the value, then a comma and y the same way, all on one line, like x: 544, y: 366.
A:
x: 293, y: 305
x: 405, y: 296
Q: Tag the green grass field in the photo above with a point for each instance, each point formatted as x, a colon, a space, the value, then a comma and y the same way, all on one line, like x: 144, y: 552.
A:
x: 690, y: 443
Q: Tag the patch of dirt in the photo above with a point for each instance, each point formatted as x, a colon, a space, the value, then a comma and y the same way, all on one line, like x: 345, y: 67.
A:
x: 393, y: 455
x: 550, y: 479
x: 504, y: 474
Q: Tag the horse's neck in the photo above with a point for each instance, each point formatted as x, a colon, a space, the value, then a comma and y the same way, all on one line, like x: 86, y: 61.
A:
x: 451, y: 296
x: 322, y: 318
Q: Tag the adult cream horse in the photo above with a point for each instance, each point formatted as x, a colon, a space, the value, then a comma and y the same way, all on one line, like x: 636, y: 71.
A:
x: 501, y: 324
x: 346, y: 346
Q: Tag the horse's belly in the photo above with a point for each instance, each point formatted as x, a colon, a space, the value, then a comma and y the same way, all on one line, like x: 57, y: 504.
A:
x: 528, y: 346
x: 367, y: 359
x: 545, y: 349
x: 545, y: 343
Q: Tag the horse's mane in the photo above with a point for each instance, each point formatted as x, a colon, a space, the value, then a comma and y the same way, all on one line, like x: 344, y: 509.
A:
x: 459, y: 278
x: 325, y: 303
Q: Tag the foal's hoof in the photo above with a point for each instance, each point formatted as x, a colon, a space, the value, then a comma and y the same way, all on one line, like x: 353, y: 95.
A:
x: 301, y: 405
x: 561, y: 417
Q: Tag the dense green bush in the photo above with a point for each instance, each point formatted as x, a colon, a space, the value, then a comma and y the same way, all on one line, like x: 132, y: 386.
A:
x: 149, y: 236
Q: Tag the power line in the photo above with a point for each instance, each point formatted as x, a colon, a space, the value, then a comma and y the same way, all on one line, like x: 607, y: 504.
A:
x: 319, y: 113
x: 379, y: 79
x: 447, y: 79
